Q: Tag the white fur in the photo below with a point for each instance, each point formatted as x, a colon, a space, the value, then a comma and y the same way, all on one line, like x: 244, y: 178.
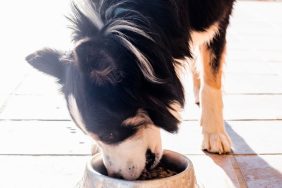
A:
x: 140, y: 118
x: 117, y: 27
x: 175, y: 109
x: 74, y: 111
x: 215, y: 137
x: 199, y: 38
x: 194, y: 68
x: 86, y: 7
x: 128, y: 158
x: 143, y: 62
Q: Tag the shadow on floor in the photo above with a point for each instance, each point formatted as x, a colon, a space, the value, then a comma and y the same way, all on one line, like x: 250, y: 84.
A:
x: 254, y: 171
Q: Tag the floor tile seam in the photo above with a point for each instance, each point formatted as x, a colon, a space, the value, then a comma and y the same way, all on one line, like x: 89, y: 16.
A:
x: 238, y: 172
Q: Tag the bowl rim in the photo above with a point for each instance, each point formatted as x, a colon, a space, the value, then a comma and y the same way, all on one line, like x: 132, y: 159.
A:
x: 188, y: 168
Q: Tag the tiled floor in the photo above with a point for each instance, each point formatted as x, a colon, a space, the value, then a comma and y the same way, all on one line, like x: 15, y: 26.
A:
x: 40, y: 147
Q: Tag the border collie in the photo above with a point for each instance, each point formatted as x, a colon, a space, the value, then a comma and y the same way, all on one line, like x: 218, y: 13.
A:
x: 121, y: 79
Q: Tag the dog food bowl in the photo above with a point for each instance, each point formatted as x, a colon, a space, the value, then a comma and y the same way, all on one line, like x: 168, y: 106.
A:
x: 95, y: 177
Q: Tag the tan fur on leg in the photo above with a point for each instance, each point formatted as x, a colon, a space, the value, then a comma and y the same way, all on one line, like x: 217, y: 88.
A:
x: 196, y: 87
x: 215, y: 139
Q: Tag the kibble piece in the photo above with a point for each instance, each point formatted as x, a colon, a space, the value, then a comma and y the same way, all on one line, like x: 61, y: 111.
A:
x: 158, y: 172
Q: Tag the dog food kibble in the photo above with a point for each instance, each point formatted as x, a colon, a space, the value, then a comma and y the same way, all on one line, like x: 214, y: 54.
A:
x: 156, y: 173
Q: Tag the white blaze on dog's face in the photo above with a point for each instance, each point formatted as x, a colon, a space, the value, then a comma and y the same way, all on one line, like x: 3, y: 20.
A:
x: 128, y: 158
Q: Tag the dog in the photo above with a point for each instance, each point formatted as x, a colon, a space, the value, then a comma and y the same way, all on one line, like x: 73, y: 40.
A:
x: 121, y: 79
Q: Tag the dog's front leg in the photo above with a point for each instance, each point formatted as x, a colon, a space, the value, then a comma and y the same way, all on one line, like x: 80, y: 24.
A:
x: 215, y: 138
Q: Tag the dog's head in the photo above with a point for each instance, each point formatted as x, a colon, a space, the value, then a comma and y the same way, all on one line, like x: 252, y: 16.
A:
x: 118, y: 91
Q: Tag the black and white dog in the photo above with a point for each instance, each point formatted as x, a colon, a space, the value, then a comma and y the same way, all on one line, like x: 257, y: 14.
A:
x: 121, y: 79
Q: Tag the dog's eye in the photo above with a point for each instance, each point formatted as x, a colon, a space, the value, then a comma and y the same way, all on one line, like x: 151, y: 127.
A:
x: 108, y: 137
x: 111, y: 136
x: 114, y: 136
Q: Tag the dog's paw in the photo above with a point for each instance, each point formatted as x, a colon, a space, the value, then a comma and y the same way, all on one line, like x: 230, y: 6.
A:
x: 216, y: 142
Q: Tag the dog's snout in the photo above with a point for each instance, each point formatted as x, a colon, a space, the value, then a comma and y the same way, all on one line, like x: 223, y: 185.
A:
x: 150, y: 159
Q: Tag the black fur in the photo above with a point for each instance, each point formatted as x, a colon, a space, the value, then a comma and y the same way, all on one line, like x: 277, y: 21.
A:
x: 105, y: 76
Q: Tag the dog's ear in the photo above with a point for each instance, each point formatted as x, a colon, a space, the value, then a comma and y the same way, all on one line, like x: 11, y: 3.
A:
x: 97, y: 63
x: 48, y: 61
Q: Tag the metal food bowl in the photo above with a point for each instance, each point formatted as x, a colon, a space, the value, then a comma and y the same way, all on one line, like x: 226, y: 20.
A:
x: 95, y: 174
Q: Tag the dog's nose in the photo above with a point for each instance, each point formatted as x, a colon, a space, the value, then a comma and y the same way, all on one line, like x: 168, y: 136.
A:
x: 150, y: 159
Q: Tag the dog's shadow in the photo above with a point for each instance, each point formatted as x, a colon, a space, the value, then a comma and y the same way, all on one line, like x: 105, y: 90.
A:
x: 248, y: 166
